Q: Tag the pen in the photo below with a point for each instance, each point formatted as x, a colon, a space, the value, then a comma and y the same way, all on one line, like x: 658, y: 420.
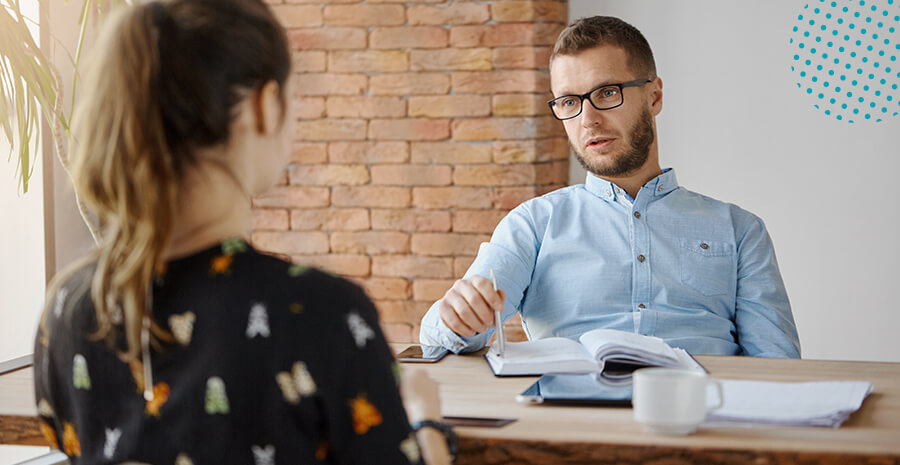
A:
x: 501, y: 336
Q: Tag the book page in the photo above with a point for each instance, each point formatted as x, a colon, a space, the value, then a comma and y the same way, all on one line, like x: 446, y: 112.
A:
x: 551, y: 349
x: 550, y: 355
x: 610, y: 344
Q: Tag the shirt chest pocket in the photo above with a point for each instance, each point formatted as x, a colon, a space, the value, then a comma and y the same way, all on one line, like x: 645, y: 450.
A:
x: 708, y: 266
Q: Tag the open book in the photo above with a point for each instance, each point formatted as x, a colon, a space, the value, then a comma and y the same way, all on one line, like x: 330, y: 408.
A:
x: 611, y: 354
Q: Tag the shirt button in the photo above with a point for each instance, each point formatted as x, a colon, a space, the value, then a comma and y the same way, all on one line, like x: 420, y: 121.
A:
x: 641, y: 306
x: 618, y: 191
x: 704, y: 246
x: 637, y: 214
x: 608, y: 193
x: 659, y: 188
x: 641, y: 258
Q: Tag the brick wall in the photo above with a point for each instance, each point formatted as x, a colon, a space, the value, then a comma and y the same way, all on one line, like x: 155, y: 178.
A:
x: 421, y: 124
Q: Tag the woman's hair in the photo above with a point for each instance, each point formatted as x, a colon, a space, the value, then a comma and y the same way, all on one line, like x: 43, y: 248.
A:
x: 164, y: 82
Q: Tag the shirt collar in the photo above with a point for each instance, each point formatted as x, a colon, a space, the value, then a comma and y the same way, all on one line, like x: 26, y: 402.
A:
x: 659, y: 186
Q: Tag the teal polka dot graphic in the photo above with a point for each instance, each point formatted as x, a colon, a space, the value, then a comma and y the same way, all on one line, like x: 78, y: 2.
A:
x: 844, y: 55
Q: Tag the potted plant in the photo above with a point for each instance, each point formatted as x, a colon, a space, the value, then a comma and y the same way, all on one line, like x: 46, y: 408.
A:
x: 31, y: 91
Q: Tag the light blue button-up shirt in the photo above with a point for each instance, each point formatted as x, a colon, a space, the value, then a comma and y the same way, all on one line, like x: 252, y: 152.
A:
x: 699, y: 273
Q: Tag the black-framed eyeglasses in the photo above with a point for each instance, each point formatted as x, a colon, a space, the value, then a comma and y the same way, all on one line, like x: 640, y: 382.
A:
x: 605, y: 97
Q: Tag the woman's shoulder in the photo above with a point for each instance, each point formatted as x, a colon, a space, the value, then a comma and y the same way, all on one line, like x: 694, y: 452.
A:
x: 317, y: 288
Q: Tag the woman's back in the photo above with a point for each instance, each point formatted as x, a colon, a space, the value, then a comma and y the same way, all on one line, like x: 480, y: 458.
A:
x: 270, y: 363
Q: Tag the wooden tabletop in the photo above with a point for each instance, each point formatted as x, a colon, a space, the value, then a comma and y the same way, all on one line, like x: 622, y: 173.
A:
x: 556, y: 434
x: 576, y: 435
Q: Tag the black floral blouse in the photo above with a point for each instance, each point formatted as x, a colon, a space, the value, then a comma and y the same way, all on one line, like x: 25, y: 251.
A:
x: 271, y: 363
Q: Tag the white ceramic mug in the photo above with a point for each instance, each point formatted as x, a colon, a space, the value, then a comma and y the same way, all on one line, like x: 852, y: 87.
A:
x: 671, y: 400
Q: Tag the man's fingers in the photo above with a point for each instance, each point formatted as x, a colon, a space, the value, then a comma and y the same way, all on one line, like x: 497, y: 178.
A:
x: 485, y: 287
x: 454, y: 322
x: 476, y: 302
x: 460, y: 305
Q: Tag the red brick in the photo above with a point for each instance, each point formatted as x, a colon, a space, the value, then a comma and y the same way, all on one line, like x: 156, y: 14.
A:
x: 395, y: 332
x: 330, y: 38
x: 291, y: 242
x: 309, y: 152
x: 322, y: 1
x: 520, y: 57
x: 370, y: 242
x: 408, y: 37
x: 405, y: 1
x: 309, y: 107
x: 430, y: 290
x: 506, y: 128
x: 364, y: 15
x: 297, y: 15
x: 500, y: 82
x: 499, y: 35
x: 411, y: 220
x: 507, y: 198
x: 449, y: 106
x: 411, y: 175
x: 309, y: 61
x: 452, y: 13
x: 368, y: 152
x: 344, y: 265
x: 371, y: 196
x: 331, y: 84
x: 293, y: 197
x: 411, y: 266
x: 409, y: 129
x: 533, y: 150
x: 450, y: 152
x: 552, y: 173
x: 520, y: 105
x: 410, y: 84
x: 451, y: 59
x: 447, y: 244
x: 494, y: 175
x: 331, y: 129
x: 520, y: 11
x: 401, y: 310
x: 382, y: 61
x: 452, y: 197
x: 330, y: 219
x: 366, y: 107
x: 461, y: 265
x: 385, y: 288
x: 265, y: 219
x: 327, y: 175
x: 477, y: 221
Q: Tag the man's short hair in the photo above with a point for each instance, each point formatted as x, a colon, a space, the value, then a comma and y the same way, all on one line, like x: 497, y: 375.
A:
x: 587, y: 33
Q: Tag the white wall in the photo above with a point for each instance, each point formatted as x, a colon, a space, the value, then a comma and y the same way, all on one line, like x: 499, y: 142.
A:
x: 735, y: 126
x: 22, y: 259
x: 21, y: 252
x: 23, y: 269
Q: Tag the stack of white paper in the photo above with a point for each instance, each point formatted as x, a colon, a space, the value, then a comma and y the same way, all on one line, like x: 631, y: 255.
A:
x: 823, y: 403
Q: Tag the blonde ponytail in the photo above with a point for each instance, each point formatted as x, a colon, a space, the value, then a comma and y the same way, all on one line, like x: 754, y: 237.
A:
x: 164, y: 81
x: 123, y: 168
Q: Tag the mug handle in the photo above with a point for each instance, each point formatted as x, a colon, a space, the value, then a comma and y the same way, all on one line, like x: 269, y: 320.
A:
x: 720, y: 393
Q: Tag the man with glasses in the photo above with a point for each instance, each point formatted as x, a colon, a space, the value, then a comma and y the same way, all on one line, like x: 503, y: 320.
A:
x: 630, y: 249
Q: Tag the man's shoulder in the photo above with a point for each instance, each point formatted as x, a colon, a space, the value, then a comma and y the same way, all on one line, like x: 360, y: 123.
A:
x: 553, y: 198
x: 692, y: 199
x: 689, y: 203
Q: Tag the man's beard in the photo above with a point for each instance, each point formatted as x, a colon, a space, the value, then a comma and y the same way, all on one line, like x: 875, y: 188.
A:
x: 635, y: 154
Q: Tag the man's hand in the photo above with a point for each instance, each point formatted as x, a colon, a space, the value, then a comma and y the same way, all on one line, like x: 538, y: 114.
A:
x: 468, y: 307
